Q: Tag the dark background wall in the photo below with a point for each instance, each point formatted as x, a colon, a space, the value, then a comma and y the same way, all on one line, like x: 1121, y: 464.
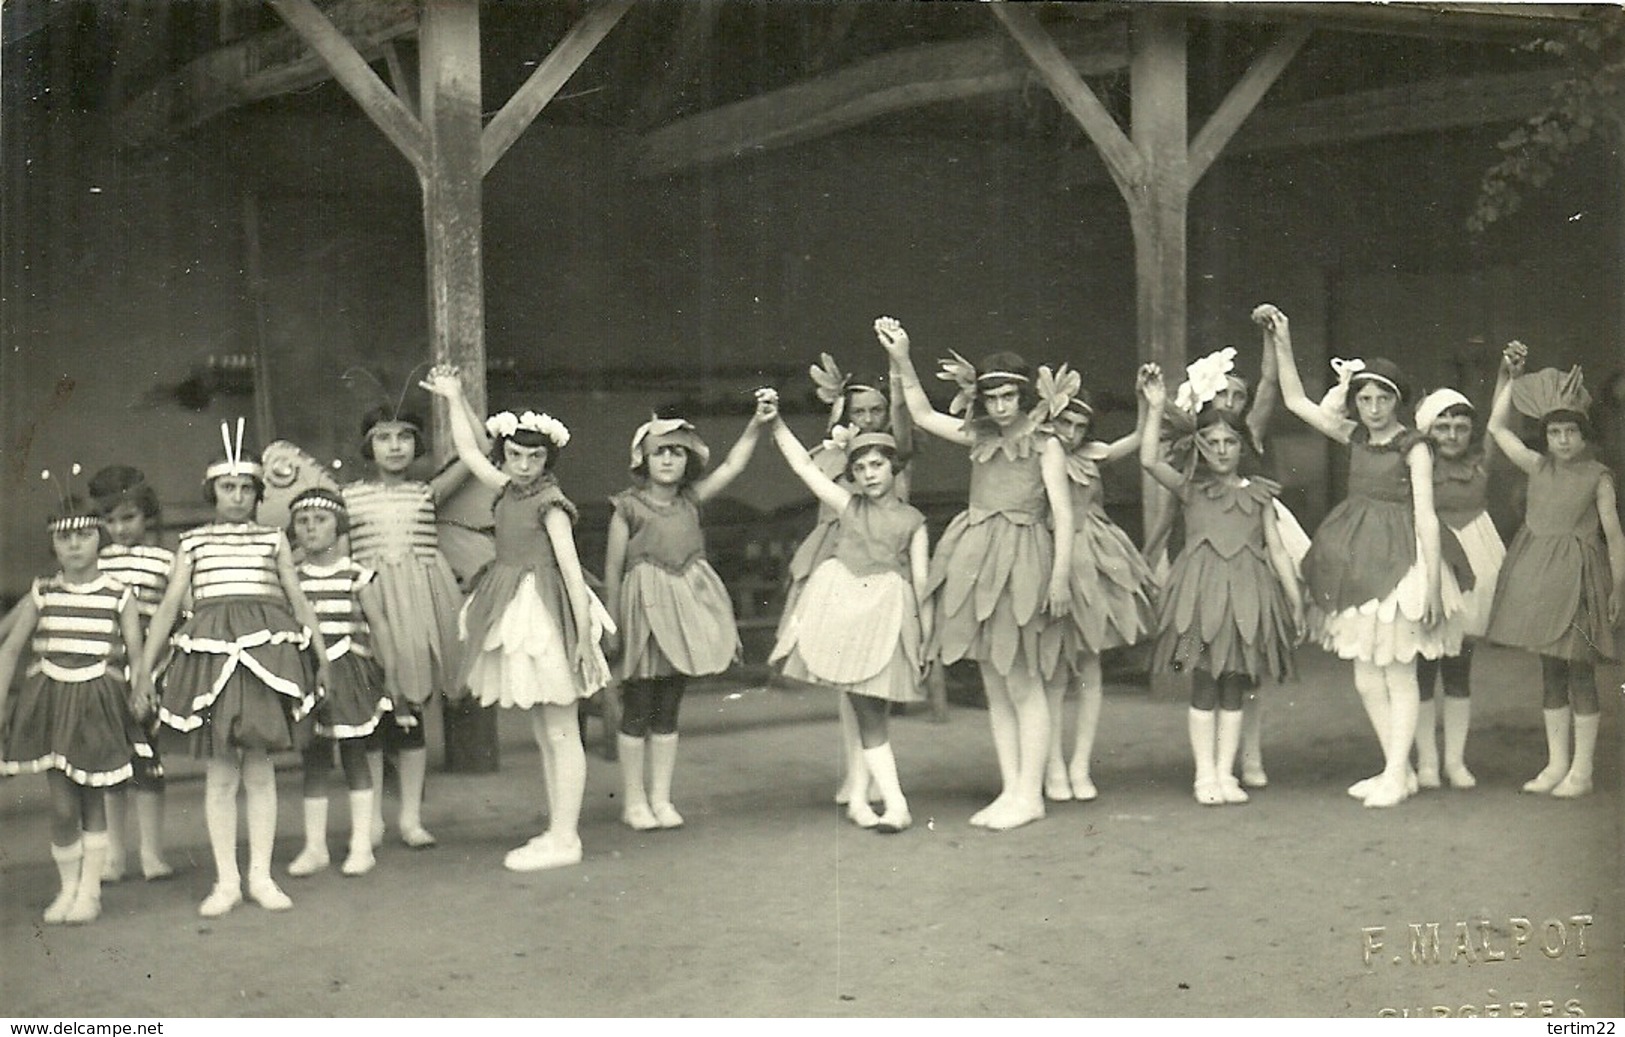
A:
x: 125, y: 271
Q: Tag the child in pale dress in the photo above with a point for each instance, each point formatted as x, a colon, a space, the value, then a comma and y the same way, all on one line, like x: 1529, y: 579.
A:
x: 1381, y: 592
x: 860, y: 630
x: 1460, y: 495
x: 999, y: 577
x: 675, y: 616
x: 74, y: 716
x: 531, y: 627
x: 1562, y: 586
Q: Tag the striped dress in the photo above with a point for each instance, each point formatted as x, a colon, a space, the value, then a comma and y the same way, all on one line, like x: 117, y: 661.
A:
x: 145, y: 570
x: 392, y: 532
x: 72, y: 713
x: 240, y: 677
x: 356, y: 697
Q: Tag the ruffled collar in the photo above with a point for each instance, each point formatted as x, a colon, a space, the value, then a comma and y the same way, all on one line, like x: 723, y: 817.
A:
x: 1247, y: 496
x: 1083, y: 464
x: 1017, y: 442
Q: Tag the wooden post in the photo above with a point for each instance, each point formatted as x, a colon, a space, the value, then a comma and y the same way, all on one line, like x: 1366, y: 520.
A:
x: 449, y: 84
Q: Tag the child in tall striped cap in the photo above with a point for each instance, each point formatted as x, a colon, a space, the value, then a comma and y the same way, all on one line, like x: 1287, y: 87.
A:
x: 130, y: 514
x: 351, y: 619
x: 74, y: 717
x: 245, y: 669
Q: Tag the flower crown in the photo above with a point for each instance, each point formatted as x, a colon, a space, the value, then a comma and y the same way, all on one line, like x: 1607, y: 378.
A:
x: 505, y: 424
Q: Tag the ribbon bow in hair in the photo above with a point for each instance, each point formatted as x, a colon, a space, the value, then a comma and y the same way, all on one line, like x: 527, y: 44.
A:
x: 831, y: 386
x: 1336, y: 398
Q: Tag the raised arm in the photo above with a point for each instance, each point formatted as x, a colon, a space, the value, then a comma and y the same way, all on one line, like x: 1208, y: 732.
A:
x: 465, y: 433
x: 1264, y: 397
x: 1503, y: 378
x: 800, y: 462
x: 1498, y: 427
x: 1129, y: 445
x: 902, y: 424
x: 894, y: 340
x: 1155, y: 397
x: 1278, y: 334
x: 163, y: 620
x: 1059, y: 490
x: 1420, y: 459
x: 720, y: 477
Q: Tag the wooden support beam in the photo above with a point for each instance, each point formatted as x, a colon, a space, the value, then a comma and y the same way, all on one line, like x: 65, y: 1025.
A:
x: 549, y: 76
x: 1123, y: 159
x: 1426, y: 107
x: 449, y: 85
x: 357, y: 77
x: 1242, y: 99
x: 265, y: 65
x: 866, y: 90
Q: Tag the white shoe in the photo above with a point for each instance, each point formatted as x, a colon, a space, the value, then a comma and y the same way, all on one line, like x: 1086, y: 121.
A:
x: 540, y: 854
x: 220, y: 900
x: 309, y: 862
x: 667, y: 816
x: 359, y: 862
x: 268, y: 895
x: 639, y: 818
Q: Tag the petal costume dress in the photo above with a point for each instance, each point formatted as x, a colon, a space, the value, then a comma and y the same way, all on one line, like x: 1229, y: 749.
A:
x: 1460, y: 496
x: 676, y: 615
x: 72, y: 712
x: 392, y: 532
x: 1367, y: 584
x: 356, y: 698
x: 992, y: 565
x: 1224, y: 611
x: 1552, y: 597
x: 858, y: 629
x: 241, y: 676
x: 1113, y: 589
x: 145, y: 570
x: 518, y: 628
x: 819, y: 545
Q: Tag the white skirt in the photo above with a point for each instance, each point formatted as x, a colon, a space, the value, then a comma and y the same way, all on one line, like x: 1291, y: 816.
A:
x: 1482, y: 544
x: 1390, y: 631
x: 857, y: 633
x: 522, y: 659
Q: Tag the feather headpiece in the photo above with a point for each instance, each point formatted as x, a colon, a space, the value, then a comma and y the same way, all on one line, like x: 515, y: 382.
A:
x: 234, y: 462
x: 390, y: 407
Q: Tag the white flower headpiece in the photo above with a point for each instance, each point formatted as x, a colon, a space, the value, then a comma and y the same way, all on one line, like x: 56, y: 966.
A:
x: 505, y: 424
x: 1205, y: 379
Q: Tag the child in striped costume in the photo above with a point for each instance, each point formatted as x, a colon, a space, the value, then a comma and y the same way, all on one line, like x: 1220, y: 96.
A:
x: 241, y: 680
x: 129, y: 512
x: 392, y: 532
x: 74, y: 716
x: 345, y: 597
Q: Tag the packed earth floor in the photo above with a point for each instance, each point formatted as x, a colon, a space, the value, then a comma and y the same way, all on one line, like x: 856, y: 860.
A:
x: 770, y: 903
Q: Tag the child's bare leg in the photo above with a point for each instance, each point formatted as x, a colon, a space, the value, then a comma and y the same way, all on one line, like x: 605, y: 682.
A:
x: 1559, y: 720
x: 1057, y: 786
x: 413, y: 765
x: 936, y: 687
x: 1373, y: 689
x: 1031, y: 709
x: 1458, y: 711
x: 1404, y: 702
x: 375, y: 768
x: 87, y: 899
x: 220, y: 783
x: 149, y: 817
x: 851, y: 751
x: 1587, y: 720
x: 1001, y: 719
x: 313, y: 856
x: 1427, y: 719
x: 259, y: 797
x: 1232, y: 691
x: 875, y: 739
x: 1090, y: 697
x: 358, y: 779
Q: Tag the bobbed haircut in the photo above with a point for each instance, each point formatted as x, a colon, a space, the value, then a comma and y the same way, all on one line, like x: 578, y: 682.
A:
x: 121, y: 484
x: 383, y: 414
x: 691, y: 471
x: 1014, y: 364
x: 887, y: 452
x: 529, y: 439
x: 1553, y: 417
x: 210, y: 499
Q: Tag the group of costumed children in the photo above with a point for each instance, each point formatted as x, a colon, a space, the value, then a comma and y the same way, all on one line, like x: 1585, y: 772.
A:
x: 253, y: 644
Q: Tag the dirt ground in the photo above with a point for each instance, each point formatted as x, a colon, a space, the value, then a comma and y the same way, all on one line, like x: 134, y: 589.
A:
x: 769, y: 904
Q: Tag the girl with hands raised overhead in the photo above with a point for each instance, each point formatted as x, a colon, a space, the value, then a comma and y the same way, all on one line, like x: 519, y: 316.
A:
x: 997, y: 565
